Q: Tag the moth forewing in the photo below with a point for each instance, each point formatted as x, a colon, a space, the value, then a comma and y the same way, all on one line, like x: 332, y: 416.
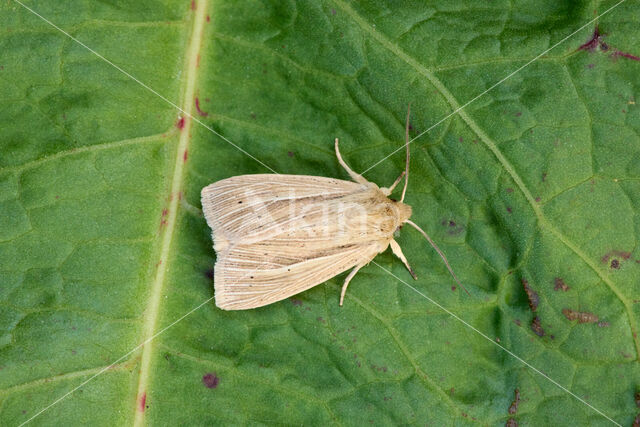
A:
x: 278, y: 235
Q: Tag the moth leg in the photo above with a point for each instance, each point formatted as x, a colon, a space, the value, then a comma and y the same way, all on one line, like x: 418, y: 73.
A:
x: 388, y: 191
x: 355, y: 176
x: 395, y: 248
x: 347, y: 280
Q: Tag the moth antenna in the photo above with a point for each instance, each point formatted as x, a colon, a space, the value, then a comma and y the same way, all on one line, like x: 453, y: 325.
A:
x: 444, y: 258
x: 355, y: 176
x: 406, y: 144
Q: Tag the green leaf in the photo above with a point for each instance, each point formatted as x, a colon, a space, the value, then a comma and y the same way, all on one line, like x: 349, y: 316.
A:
x: 106, y: 309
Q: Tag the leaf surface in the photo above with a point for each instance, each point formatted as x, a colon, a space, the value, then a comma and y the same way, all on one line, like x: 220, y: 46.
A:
x: 105, y: 259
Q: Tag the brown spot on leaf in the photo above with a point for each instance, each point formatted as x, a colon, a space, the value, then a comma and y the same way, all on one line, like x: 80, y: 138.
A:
x: 208, y: 273
x: 636, y: 422
x: 296, y: 302
x: 559, y: 285
x: 615, y: 263
x: 210, y: 380
x: 580, y: 316
x: 511, y: 423
x: 516, y: 401
x: 615, y: 253
x: 636, y: 397
x: 536, y: 327
x: 532, y: 295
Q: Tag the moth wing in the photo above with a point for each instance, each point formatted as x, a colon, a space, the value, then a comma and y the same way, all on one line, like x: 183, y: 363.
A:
x: 256, y: 206
x: 253, y: 275
x: 278, y: 235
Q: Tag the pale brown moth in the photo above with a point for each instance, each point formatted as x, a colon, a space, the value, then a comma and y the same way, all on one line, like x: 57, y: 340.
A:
x: 278, y: 235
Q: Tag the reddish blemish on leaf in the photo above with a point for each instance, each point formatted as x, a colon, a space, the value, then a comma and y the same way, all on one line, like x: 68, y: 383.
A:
x: 511, y: 423
x: 618, y: 53
x: 544, y: 177
x: 636, y: 397
x: 519, y: 113
x: 594, y: 41
x: 180, y: 123
x: 460, y: 139
x: 210, y: 380
x: 532, y: 295
x: 581, y: 317
x: 615, y: 264
x: 559, y: 285
x: 202, y: 113
x: 517, y: 322
x: 296, y: 302
x: 615, y: 253
x: 193, y: 4
x: 536, y: 327
x: 538, y: 199
x: 509, y: 209
x: 142, y: 402
x: 290, y: 153
x: 636, y: 422
x: 198, y: 61
x: 208, y: 273
x: 509, y: 190
x: 184, y: 156
x: 208, y: 18
x: 321, y: 320
x: 516, y: 400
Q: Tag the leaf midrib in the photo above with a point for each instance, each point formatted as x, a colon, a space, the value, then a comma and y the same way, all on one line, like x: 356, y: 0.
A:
x: 492, y: 146
x: 152, y: 310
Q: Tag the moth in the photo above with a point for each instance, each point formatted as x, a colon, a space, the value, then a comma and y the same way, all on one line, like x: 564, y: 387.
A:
x: 278, y: 235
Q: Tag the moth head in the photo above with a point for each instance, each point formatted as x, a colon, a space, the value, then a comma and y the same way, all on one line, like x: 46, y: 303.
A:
x: 404, y: 212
